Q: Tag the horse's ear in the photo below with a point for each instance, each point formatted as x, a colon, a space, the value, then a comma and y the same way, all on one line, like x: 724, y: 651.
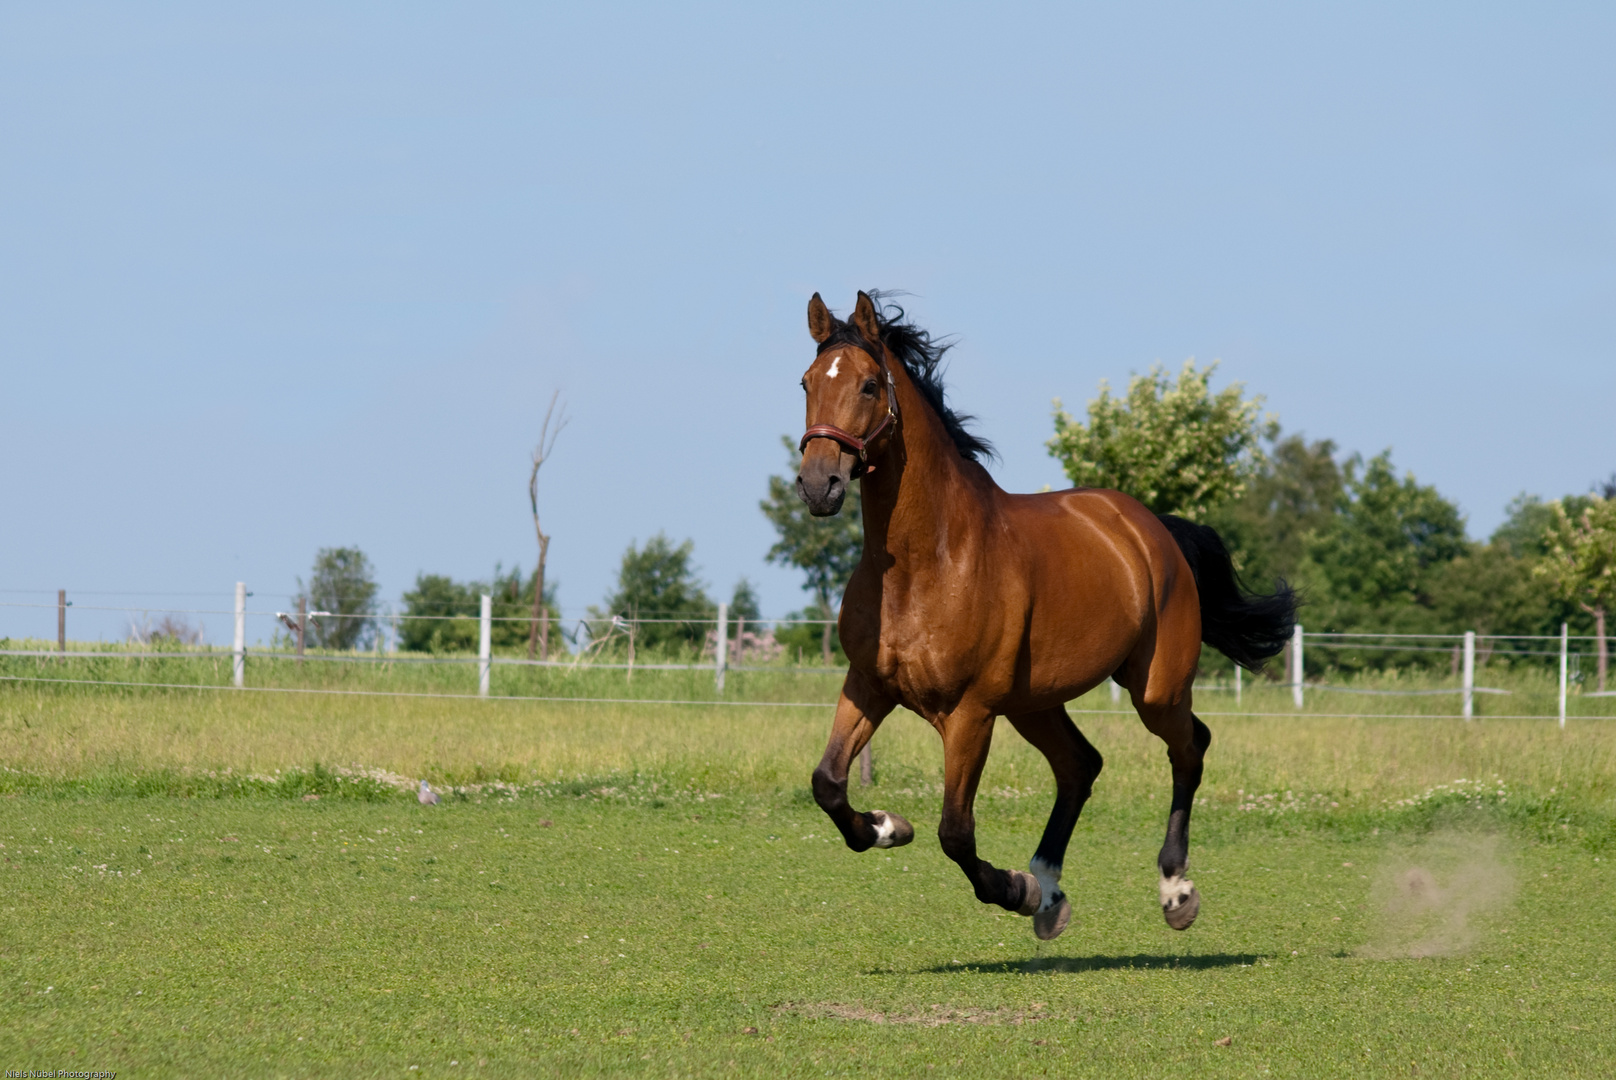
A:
x: 865, y: 321
x: 820, y: 321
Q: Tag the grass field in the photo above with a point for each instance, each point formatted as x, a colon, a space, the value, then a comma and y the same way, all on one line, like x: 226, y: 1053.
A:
x: 647, y: 890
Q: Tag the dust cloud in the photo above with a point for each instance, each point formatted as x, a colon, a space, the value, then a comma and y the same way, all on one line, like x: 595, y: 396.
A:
x: 1434, y: 897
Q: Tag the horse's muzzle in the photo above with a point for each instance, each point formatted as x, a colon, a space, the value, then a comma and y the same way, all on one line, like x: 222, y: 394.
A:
x: 823, y: 488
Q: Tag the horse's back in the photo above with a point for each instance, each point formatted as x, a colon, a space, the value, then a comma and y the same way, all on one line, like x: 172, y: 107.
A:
x: 1089, y: 531
x: 1103, y: 577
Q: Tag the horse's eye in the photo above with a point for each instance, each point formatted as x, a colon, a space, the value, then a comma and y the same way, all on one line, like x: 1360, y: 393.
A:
x: 869, y: 388
x: 803, y: 382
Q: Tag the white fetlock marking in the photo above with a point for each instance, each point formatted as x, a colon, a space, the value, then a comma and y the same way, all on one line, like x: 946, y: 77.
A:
x: 1048, y: 875
x: 885, y: 830
x: 1174, y: 891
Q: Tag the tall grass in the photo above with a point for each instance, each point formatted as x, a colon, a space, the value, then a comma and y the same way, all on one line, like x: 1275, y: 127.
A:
x: 84, y: 735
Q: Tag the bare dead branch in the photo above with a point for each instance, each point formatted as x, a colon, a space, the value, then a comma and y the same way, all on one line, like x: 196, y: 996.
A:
x: 538, y: 638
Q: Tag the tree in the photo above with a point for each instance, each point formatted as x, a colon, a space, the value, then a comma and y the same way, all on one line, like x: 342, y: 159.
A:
x: 539, y: 630
x: 1369, y: 567
x: 799, y: 635
x: 1176, y: 447
x: 658, y: 582
x: 1581, y: 560
x: 344, y: 584
x: 1291, y: 497
x: 743, y: 608
x: 825, y: 549
x: 1526, y: 525
x: 441, y: 615
x: 1492, y: 590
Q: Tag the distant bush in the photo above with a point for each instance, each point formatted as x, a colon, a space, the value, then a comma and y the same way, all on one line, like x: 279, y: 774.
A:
x: 659, y: 593
x: 441, y: 614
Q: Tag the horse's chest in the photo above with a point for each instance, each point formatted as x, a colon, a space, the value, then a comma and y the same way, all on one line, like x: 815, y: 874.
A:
x: 922, y: 670
x: 921, y: 646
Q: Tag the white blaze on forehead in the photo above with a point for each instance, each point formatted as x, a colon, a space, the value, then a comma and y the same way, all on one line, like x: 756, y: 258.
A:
x: 835, y: 366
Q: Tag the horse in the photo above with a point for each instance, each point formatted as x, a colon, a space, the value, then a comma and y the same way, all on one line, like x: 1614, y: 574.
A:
x: 970, y: 603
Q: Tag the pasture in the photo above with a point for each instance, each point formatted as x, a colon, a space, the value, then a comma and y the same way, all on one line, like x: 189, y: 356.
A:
x: 648, y: 890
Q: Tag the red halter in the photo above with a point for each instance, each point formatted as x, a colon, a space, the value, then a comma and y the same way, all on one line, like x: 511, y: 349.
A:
x: 848, y: 439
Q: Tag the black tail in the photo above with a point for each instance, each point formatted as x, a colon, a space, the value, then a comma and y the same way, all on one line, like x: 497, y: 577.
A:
x: 1246, y: 627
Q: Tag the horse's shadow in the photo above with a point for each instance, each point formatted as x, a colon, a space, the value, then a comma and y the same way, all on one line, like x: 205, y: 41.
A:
x: 1079, y: 964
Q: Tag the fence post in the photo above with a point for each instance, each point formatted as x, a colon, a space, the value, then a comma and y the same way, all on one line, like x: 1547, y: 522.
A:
x: 61, y: 620
x: 1237, y: 684
x: 239, y: 652
x: 1469, y: 674
x: 1116, y: 691
x: 1296, y: 666
x: 485, y: 642
x: 1565, y: 635
x: 866, y: 767
x: 721, y: 647
x: 302, y: 626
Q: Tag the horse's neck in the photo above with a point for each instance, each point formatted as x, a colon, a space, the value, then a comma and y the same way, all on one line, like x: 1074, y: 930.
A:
x: 916, y: 502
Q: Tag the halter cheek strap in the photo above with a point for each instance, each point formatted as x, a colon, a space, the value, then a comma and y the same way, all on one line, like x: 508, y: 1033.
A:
x: 857, y: 445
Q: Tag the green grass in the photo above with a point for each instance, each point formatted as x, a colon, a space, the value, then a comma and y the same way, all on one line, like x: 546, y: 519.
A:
x: 173, y: 905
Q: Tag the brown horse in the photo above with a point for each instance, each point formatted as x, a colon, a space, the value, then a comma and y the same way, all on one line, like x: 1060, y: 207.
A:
x: 971, y: 603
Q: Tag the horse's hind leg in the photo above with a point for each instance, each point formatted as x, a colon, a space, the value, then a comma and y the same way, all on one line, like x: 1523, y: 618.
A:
x: 1187, y: 740
x: 1075, y: 764
x: 1179, y: 899
x: 858, y: 713
x: 966, y: 738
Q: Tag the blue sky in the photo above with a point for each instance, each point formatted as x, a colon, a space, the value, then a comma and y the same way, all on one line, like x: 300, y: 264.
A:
x: 284, y: 278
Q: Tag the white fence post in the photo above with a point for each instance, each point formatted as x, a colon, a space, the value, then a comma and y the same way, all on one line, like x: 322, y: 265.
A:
x: 1469, y: 674
x: 485, y: 643
x: 1237, y: 684
x: 1116, y: 692
x: 1296, y: 666
x: 239, y: 665
x: 721, y: 648
x: 1565, y: 632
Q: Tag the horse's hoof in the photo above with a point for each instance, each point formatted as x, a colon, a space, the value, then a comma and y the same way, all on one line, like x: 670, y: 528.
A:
x: 1032, y: 897
x: 1181, y: 902
x: 1048, y: 924
x: 890, y: 829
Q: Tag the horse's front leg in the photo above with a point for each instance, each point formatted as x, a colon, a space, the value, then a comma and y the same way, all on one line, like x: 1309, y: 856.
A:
x: 858, y: 713
x: 1075, y: 764
x: 966, y: 738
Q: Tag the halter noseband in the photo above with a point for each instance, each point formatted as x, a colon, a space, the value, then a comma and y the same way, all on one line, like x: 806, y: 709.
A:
x: 857, y: 445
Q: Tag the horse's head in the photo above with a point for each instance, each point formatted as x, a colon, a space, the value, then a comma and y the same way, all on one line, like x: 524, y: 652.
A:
x: 851, y: 404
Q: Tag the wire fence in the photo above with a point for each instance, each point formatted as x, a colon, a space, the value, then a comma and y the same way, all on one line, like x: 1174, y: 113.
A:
x: 1543, y: 676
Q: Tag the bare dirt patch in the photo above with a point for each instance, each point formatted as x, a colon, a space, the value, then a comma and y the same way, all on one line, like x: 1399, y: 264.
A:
x: 926, y: 1016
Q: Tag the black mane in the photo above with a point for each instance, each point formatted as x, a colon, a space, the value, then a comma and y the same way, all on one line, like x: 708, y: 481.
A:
x: 921, y: 356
